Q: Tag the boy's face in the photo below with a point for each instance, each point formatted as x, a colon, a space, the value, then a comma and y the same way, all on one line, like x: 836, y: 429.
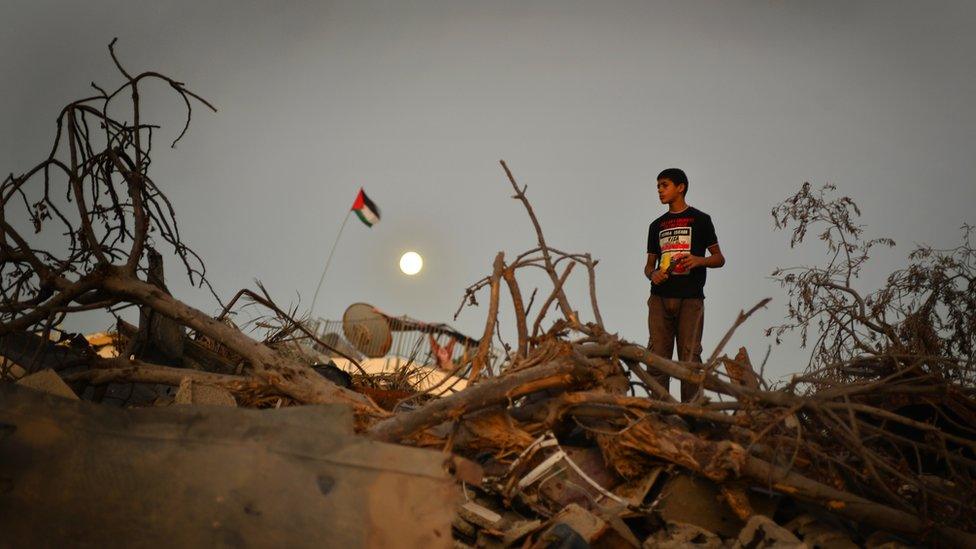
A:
x: 667, y: 191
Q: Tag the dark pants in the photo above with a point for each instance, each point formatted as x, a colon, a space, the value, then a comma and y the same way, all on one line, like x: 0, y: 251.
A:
x: 672, y: 319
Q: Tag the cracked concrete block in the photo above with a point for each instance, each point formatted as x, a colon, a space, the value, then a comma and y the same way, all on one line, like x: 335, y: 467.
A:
x: 48, y: 381
x: 196, y: 393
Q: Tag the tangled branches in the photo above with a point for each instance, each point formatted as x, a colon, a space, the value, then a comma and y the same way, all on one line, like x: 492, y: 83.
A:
x: 922, y: 320
x: 878, y: 431
x: 881, y: 434
x: 100, y: 163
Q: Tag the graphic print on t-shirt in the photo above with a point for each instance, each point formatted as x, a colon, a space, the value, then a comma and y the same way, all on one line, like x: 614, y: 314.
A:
x: 675, y: 241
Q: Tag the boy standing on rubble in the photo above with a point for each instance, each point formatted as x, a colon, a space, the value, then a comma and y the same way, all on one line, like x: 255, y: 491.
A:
x: 676, y: 263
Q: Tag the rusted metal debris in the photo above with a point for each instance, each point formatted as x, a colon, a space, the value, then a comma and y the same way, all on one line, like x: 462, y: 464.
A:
x: 570, y: 440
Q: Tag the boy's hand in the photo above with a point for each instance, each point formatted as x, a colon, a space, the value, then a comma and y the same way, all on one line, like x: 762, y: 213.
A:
x: 689, y: 262
x: 658, y: 277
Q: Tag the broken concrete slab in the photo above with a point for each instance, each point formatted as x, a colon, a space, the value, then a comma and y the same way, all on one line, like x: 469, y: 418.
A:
x: 479, y: 515
x: 816, y: 533
x: 696, y: 500
x: 583, y: 522
x: 762, y: 532
x: 635, y: 491
x: 80, y: 473
x: 48, y: 381
x: 208, y: 395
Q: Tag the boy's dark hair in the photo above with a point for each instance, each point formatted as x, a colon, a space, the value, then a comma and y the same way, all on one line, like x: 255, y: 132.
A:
x: 676, y: 176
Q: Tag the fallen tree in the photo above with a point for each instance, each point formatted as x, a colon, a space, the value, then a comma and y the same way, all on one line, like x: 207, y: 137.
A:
x: 119, y: 215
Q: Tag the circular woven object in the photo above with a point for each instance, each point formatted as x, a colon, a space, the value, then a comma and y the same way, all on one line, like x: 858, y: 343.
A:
x: 367, y: 329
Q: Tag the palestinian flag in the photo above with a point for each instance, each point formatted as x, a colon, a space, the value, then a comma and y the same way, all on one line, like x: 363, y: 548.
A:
x: 367, y: 211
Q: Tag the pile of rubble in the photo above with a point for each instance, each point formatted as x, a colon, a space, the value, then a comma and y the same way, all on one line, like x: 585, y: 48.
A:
x: 198, y: 433
x: 551, y: 454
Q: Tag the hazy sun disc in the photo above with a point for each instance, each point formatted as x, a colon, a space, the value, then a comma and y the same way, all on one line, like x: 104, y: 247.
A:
x: 411, y: 263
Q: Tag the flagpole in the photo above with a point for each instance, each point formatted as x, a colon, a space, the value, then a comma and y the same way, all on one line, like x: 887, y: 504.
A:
x: 311, y: 310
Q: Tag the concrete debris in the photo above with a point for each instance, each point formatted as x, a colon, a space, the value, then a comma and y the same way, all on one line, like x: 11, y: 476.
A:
x: 762, y: 532
x: 588, y: 526
x: 211, y: 476
x: 207, y: 395
x: 463, y: 528
x: 656, y: 483
x: 519, y: 530
x: 481, y: 517
x: 47, y: 381
x: 533, y: 478
x: 819, y: 534
x: 698, y: 501
x: 635, y: 491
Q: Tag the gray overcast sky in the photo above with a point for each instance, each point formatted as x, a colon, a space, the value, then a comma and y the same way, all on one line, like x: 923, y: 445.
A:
x: 587, y: 101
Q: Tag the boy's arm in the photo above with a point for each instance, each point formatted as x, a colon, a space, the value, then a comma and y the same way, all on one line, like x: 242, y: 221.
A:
x: 714, y: 260
x: 649, y: 266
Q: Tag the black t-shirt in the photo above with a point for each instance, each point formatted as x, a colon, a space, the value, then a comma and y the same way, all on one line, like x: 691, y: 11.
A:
x: 690, y: 231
